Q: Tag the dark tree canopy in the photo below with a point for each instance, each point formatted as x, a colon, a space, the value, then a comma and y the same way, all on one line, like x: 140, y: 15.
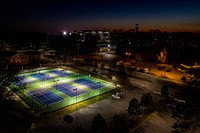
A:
x: 134, y: 107
x: 188, y: 113
x: 99, y: 124
x: 79, y: 129
x: 147, y: 100
x: 14, y: 116
x: 68, y: 119
x: 119, y: 124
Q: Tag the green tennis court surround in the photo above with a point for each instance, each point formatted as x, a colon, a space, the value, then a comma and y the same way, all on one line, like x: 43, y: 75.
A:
x: 52, y: 89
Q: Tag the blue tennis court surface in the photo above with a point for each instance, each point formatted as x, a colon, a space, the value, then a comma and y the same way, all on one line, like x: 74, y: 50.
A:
x: 44, y: 96
x: 41, y: 76
x: 69, y: 89
x: 21, y: 81
x: 89, y: 84
x: 60, y: 73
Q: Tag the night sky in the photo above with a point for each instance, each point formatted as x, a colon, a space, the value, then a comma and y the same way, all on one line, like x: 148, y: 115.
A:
x: 65, y: 15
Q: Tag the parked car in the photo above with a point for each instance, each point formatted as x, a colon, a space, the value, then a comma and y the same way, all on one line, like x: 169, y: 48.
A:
x: 116, y: 96
x: 119, y: 63
x: 146, y: 70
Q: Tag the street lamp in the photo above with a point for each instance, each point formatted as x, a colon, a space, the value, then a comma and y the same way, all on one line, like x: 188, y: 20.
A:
x: 64, y: 33
x: 128, y: 54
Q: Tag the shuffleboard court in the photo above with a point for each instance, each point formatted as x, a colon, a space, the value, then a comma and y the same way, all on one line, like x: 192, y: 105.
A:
x: 60, y: 73
x: 21, y: 81
x: 69, y: 89
x: 44, y: 96
x: 89, y: 83
x: 41, y: 76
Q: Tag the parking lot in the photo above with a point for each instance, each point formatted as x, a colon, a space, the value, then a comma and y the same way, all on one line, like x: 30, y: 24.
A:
x: 84, y: 116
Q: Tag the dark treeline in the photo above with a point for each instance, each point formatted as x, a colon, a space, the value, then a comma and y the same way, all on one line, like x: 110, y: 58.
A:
x: 181, y: 46
x: 23, y: 37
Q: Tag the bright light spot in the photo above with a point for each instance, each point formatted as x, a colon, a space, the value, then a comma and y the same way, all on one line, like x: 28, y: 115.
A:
x: 127, y: 53
x: 64, y: 33
x: 118, y: 85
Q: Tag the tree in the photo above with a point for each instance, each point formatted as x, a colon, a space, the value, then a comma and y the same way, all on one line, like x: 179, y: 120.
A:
x: 14, y: 116
x: 134, y: 107
x: 79, y: 129
x: 119, y: 125
x: 180, y: 127
x: 122, y: 68
x: 99, y: 124
x: 183, y: 78
x: 187, y: 114
x: 68, y: 119
x: 147, y: 101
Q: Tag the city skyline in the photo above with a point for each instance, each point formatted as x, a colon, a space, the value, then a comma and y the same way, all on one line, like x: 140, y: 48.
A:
x: 60, y: 15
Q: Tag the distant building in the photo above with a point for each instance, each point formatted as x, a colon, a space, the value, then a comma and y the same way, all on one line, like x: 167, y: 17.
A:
x: 19, y: 58
x: 103, y: 38
x: 136, y: 27
x: 25, y: 57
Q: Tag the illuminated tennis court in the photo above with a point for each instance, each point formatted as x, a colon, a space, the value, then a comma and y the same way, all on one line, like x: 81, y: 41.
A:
x: 60, y: 73
x: 88, y: 83
x: 58, y: 88
x: 21, y: 81
x: 41, y: 76
x: 69, y: 89
x: 44, y: 96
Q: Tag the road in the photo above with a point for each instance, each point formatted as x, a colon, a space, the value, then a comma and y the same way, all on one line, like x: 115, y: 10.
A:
x: 174, y: 75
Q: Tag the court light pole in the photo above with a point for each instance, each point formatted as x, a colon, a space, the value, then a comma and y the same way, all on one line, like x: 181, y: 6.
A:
x: 75, y: 89
x: 56, y: 83
x: 32, y: 100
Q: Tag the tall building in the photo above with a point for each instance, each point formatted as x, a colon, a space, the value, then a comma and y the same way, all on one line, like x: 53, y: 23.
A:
x: 102, y: 38
x: 137, y: 27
